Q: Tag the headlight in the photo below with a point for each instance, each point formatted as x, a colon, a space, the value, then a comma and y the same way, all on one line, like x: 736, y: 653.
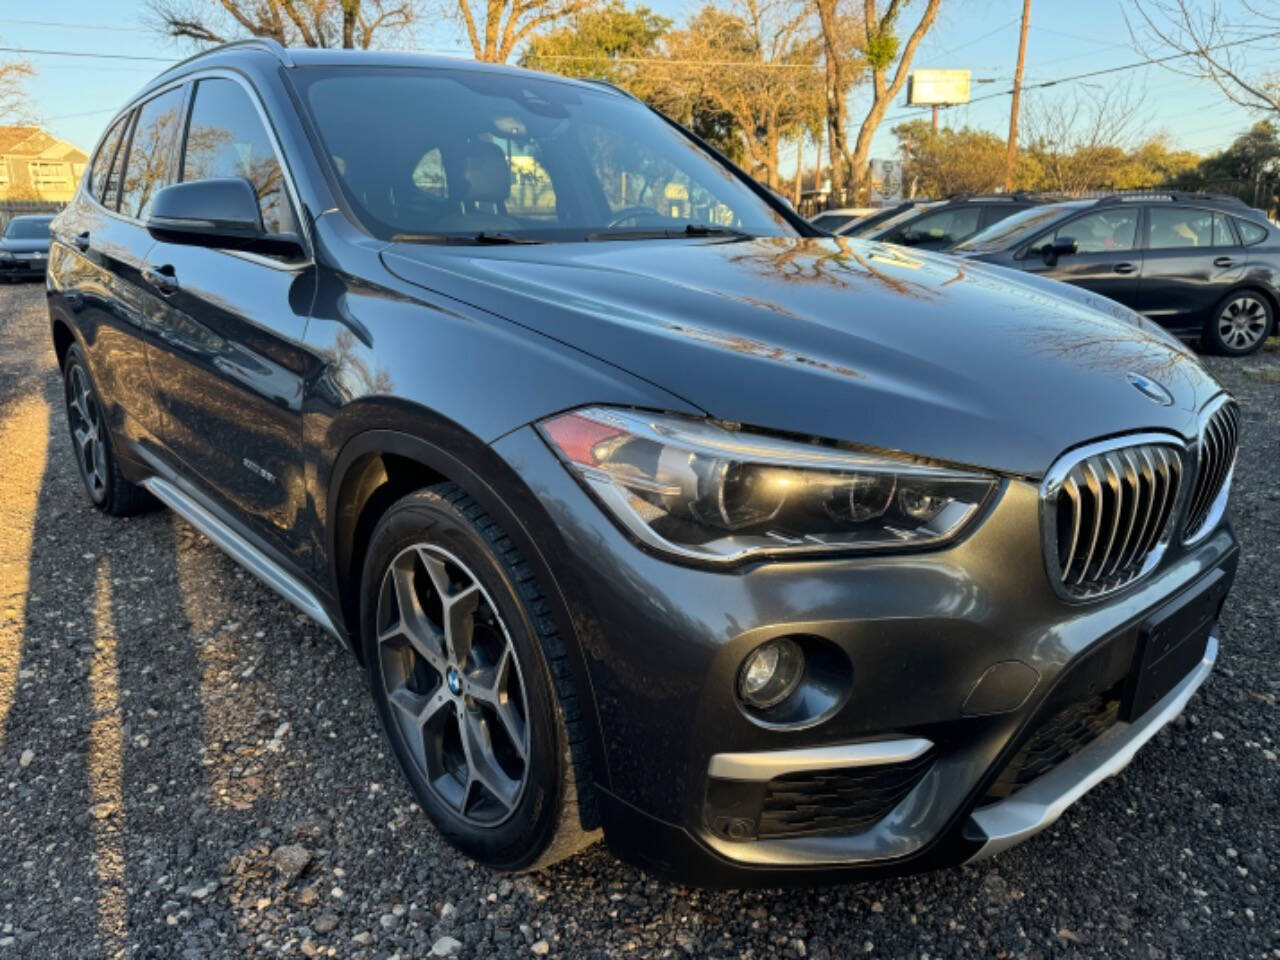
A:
x: 705, y: 492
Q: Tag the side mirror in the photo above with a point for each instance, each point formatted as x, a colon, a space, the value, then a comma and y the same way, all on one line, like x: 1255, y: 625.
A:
x: 221, y: 213
x: 1062, y: 247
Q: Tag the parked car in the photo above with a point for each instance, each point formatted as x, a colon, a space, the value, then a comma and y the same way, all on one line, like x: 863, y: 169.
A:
x: 646, y: 508
x: 1205, y: 267
x: 832, y: 220
x: 940, y: 224
x: 24, y: 247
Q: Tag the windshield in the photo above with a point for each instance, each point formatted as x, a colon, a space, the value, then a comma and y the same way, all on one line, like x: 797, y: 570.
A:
x: 27, y: 230
x: 431, y: 155
x: 879, y: 222
x: 1012, y: 230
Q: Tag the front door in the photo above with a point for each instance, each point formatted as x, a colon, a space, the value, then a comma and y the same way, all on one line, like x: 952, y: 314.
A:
x: 229, y: 365
x: 1106, y: 260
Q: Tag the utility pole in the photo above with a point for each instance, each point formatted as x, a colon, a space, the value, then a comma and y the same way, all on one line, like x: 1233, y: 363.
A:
x: 1012, y: 150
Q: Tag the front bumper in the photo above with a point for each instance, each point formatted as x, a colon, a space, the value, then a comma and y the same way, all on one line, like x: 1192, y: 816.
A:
x: 662, y: 645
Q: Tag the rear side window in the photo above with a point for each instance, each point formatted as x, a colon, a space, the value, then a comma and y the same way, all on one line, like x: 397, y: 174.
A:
x: 150, y: 166
x: 1101, y: 232
x: 102, y: 160
x: 1170, y: 228
x: 1250, y: 233
x: 226, y: 138
x: 111, y: 189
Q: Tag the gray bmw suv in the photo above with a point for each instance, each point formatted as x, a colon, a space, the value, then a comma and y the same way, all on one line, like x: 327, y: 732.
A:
x: 647, y: 509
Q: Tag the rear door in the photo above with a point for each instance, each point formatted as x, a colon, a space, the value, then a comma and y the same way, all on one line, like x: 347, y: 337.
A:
x: 100, y: 256
x: 1192, y: 259
x: 228, y: 361
x: 1106, y: 261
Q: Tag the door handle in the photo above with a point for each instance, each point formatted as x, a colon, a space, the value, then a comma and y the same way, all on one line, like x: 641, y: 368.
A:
x: 162, y: 279
x: 1223, y: 262
x: 1124, y: 268
x: 81, y: 240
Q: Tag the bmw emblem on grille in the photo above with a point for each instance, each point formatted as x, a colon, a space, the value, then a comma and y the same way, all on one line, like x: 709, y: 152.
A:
x: 1150, y: 389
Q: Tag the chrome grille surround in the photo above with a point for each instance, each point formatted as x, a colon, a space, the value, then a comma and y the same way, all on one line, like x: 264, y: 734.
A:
x: 1214, y: 452
x: 1108, y: 511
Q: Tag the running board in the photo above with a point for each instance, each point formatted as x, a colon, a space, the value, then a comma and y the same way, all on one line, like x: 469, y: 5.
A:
x: 241, y: 551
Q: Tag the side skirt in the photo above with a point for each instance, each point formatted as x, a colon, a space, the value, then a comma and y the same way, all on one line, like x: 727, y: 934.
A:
x: 241, y: 551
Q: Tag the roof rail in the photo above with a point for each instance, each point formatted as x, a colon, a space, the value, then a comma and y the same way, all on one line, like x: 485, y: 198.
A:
x: 271, y: 45
x: 1175, y: 196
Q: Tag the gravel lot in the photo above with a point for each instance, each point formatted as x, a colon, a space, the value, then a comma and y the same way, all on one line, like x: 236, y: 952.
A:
x: 189, y: 769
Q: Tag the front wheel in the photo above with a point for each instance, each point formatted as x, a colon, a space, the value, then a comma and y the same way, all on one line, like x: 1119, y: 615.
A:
x: 1240, y: 324
x: 454, y: 632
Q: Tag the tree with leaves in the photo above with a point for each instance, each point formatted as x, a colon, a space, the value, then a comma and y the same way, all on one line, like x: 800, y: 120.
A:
x: 359, y: 24
x: 613, y: 43
x: 755, y: 65
x: 889, y: 61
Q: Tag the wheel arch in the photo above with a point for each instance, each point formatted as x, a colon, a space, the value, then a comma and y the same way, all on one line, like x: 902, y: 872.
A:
x: 400, y: 448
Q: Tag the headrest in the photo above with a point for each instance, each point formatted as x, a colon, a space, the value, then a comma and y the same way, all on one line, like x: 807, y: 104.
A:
x: 486, y: 172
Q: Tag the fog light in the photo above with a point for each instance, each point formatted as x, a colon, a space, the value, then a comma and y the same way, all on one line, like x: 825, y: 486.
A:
x: 771, y: 673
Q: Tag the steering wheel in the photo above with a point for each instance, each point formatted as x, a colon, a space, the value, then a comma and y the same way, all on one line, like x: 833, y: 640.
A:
x: 635, y: 214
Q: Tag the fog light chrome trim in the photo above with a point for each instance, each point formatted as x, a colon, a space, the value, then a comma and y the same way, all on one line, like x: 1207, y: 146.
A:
x: 1040, y: 803
x: 766, y: 764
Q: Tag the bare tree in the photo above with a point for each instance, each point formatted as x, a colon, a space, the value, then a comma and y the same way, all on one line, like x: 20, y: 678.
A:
x: 1080, y: 141
x: 14, y: 104
x: 310, y: 23
x: 496, y: 28
x: 842, y: 33
x: 1207, y: 43
x: 889, y: 63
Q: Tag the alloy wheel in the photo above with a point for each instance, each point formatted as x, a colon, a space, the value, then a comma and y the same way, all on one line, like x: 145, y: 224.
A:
x: 87, y: 431
x: 1242, y: 322
x: 451, y: 676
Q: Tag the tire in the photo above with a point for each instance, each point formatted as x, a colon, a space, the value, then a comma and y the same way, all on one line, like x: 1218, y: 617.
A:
x: 1240, y: 324
x: 91, y: 443
x: 461, y: 653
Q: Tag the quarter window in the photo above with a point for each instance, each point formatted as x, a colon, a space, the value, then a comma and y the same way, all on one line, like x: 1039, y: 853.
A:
x: 1250, y: 233
x: 102, y: 160
x: 1102, y: 231
x: 111, y: 189
x: 150, y: 166
x: 226, y: 138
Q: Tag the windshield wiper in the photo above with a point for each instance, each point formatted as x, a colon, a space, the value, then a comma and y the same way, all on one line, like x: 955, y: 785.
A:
x: 690, y: 230
x: 476, y: 238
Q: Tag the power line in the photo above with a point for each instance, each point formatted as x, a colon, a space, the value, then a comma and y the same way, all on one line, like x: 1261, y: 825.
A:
x: 82, y: 53
x: 73, y: 26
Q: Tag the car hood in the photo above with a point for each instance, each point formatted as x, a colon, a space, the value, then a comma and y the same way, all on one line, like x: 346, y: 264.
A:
x: 24, y: 246
x: 859, y: 342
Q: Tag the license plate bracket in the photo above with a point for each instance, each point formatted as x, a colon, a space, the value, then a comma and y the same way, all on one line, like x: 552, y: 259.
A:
x: 1171, y: 642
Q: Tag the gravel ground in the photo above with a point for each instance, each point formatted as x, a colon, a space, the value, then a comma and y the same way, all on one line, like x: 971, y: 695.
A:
x: 189, y: 769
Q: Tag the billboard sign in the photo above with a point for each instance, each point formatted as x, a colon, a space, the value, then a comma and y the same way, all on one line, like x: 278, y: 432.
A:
x: 927, y: 88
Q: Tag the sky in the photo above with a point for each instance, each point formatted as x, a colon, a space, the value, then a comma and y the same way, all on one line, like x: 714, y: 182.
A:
x: 74, y: 97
